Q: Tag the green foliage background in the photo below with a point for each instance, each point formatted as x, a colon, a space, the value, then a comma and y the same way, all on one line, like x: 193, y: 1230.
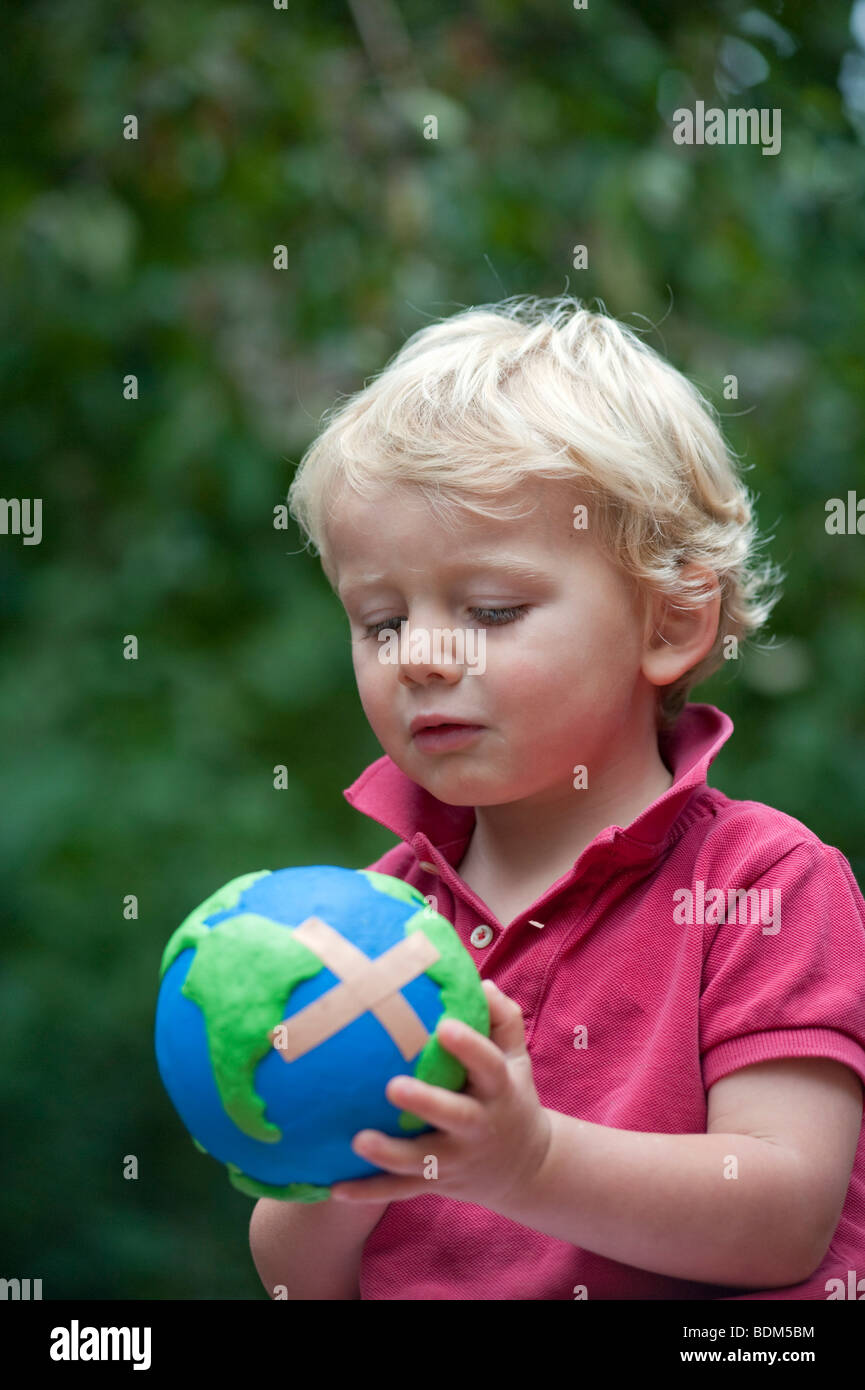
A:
x: 304, y: 126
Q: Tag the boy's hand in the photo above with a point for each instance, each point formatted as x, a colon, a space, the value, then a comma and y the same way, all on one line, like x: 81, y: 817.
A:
x: 494, y: 1134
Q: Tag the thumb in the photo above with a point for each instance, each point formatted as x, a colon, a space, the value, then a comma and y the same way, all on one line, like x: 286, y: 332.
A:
x: 507, y: 1026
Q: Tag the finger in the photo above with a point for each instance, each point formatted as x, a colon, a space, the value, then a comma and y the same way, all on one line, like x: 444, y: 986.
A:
x: 450, y: 1111
x: 402, y: 1157
x: 485, y: 1064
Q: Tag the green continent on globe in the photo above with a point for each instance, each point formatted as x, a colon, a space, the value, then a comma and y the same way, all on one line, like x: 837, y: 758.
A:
x: 292, y: 1192
x: 393, y: 887
x: 454, y: 972
x: 223, y: 900
x: 462, y: 997
x: 243, y: 971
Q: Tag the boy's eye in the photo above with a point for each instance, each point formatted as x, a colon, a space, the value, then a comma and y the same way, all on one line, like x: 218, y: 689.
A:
x: 494, y: 616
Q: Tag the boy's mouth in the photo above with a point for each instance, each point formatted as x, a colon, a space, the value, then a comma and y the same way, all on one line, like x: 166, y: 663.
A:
x: 442, y: 735
x: 439, y: 721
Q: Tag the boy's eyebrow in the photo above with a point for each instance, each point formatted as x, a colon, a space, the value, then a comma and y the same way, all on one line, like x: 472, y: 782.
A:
x: 508, y: 565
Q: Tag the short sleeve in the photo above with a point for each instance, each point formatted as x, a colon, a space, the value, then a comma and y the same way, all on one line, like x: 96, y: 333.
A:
x: 794, y: 991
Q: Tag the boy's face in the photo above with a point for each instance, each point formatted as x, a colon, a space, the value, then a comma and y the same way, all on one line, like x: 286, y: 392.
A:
x: 562, y: 681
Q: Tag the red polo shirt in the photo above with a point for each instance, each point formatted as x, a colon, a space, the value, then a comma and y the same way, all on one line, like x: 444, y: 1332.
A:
x: 669, y: 1006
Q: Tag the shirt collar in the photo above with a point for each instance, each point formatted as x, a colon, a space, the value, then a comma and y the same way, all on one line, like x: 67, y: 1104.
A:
x: 385, y: 794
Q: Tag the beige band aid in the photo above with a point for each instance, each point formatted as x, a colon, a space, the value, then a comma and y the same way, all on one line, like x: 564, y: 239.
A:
x: 365, y: 986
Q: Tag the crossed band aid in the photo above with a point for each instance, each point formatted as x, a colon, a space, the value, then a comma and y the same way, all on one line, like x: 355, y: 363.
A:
x: 365, y: 985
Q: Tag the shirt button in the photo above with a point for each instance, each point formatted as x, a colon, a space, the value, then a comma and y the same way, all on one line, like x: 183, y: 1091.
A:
x: 430, y: 868
x: 481, y: 936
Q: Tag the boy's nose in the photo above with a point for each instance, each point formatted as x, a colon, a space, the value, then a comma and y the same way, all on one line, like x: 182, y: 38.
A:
x: 431, y: 648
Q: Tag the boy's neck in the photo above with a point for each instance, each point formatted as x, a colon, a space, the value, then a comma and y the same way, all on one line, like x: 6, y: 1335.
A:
x: 541, y: 837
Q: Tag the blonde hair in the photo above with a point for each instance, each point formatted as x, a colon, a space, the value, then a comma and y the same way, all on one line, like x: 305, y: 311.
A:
x: 476, y: 404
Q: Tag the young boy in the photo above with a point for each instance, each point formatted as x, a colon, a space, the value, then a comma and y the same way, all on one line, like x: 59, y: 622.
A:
x: 669, y: 1105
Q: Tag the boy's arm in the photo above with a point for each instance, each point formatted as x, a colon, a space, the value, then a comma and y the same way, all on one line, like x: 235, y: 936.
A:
x: 669, y: 1203
x: 311, y: 1250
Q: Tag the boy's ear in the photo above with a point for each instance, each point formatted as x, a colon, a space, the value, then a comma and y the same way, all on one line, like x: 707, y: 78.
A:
x: 680, y: 632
